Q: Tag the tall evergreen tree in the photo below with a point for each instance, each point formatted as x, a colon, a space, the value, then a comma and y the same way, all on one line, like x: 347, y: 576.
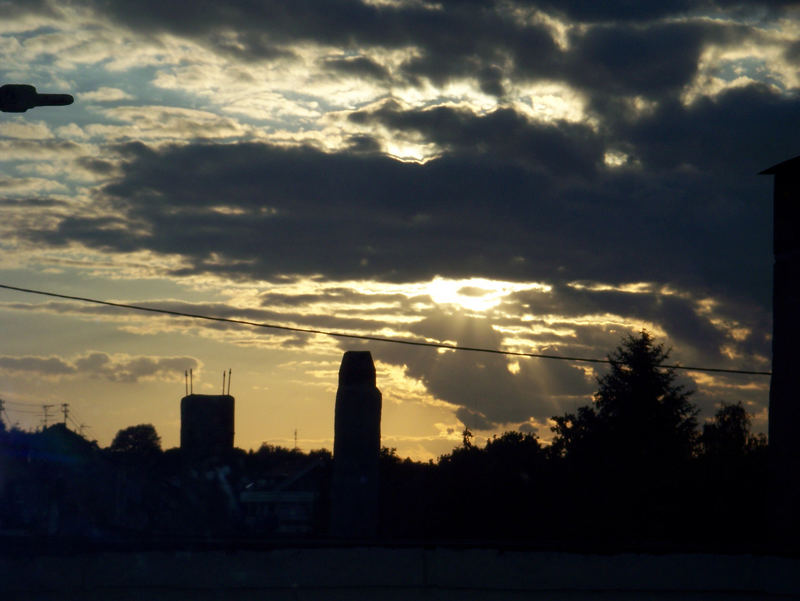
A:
x: 628, y: 452
x: 640, y: 412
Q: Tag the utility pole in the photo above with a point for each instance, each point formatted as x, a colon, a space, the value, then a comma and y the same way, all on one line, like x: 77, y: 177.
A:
x: 65, y: 411
x: 46, y: 409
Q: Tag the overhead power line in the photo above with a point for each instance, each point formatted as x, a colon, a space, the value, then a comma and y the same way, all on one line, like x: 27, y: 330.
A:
x: 441, y: 345
x: 22, y: 403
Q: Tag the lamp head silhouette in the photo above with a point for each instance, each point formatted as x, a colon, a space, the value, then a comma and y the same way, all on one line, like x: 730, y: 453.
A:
x: 18, y: 98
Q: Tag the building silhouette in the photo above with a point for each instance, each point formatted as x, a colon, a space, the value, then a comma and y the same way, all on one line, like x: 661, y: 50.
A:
x: 207, y: 425
x: 784, y: 409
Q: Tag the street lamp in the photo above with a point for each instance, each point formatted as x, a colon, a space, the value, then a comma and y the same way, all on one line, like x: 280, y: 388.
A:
x: 18, y: 98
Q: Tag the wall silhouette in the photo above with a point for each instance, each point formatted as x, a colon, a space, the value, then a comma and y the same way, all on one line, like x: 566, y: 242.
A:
x: 784, y: 410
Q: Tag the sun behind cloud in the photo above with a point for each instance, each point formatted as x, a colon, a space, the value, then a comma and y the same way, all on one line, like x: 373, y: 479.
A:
x: 476, y: 294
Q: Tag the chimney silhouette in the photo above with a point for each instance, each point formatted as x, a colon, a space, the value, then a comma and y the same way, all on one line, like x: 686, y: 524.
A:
x: 356, y: 449
x: 784, y: 404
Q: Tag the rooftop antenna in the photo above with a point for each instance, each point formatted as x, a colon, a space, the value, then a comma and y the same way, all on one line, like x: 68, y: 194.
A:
x: 223, y: 381
x: 186, y: 380
x: 191, y: 386
x: 229, y: 381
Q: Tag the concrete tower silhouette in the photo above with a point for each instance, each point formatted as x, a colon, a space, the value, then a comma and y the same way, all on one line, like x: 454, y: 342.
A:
x: 784, y: 404
x: 356, y: 449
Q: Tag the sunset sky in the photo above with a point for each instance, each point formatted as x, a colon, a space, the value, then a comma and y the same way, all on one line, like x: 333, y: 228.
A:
x: 533, y: 176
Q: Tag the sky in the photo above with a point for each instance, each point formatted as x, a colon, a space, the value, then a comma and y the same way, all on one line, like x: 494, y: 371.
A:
x: 532, y: 176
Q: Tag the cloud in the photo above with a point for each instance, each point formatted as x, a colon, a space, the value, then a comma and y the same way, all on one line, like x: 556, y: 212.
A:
x: 616, y: 48
x: 165, y: 122
x: 48, y: 366
x: 533, y: 201
x: 104, y: 94
x: 114, y: 368
x: 358, y: 65
x: 653, y: 60
x: 486, y: 391
x: 31, y: 130
x: 483, y: 388
x: 590, y: 146
x: 557, y: 148
x: 744, y: 123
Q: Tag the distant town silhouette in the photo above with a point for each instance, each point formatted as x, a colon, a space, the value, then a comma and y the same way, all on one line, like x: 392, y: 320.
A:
x: 632, y: 470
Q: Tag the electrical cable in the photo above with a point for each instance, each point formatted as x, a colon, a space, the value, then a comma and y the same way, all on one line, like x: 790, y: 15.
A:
x: 22, y: 403
x: 441, y: 345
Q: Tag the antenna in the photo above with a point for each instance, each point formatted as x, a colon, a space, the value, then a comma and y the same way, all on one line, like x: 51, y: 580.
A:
x: 186, y: 380
x: 223, y: 381
x: 191, y: 388
x: 229, y: 381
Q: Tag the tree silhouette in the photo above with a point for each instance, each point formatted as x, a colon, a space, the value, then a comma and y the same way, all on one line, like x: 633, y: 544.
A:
x: 732, y: 475
x: 639, y: 411
x: 140, y: 441
x: 728, y: 435
x: 631, y: 449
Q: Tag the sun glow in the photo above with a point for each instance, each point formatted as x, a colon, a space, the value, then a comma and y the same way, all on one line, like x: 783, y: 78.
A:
x: 475, y: 294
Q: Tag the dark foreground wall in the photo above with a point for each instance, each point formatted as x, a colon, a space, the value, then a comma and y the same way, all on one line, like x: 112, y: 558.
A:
x: 377, y: 573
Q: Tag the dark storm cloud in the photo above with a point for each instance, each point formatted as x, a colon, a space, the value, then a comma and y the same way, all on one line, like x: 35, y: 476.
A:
x: 303, y: 211
x: 459, y: 41
x: 619, y: 10
x: 740, y: 132
x: 623, y: 48
x: 588, y: 11
x: 96, y: 166
x: 363, y: 144
x: 473, y: 419
x: 681, y: 318
x: 358, y: 65
x: 557, y: 148
x: 793, y: 52
x: 653, y: 60
x: 487, y: 393
x: 510, y: 199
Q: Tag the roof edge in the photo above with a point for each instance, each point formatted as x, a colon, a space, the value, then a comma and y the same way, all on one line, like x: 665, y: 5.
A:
x: 793, y: 164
